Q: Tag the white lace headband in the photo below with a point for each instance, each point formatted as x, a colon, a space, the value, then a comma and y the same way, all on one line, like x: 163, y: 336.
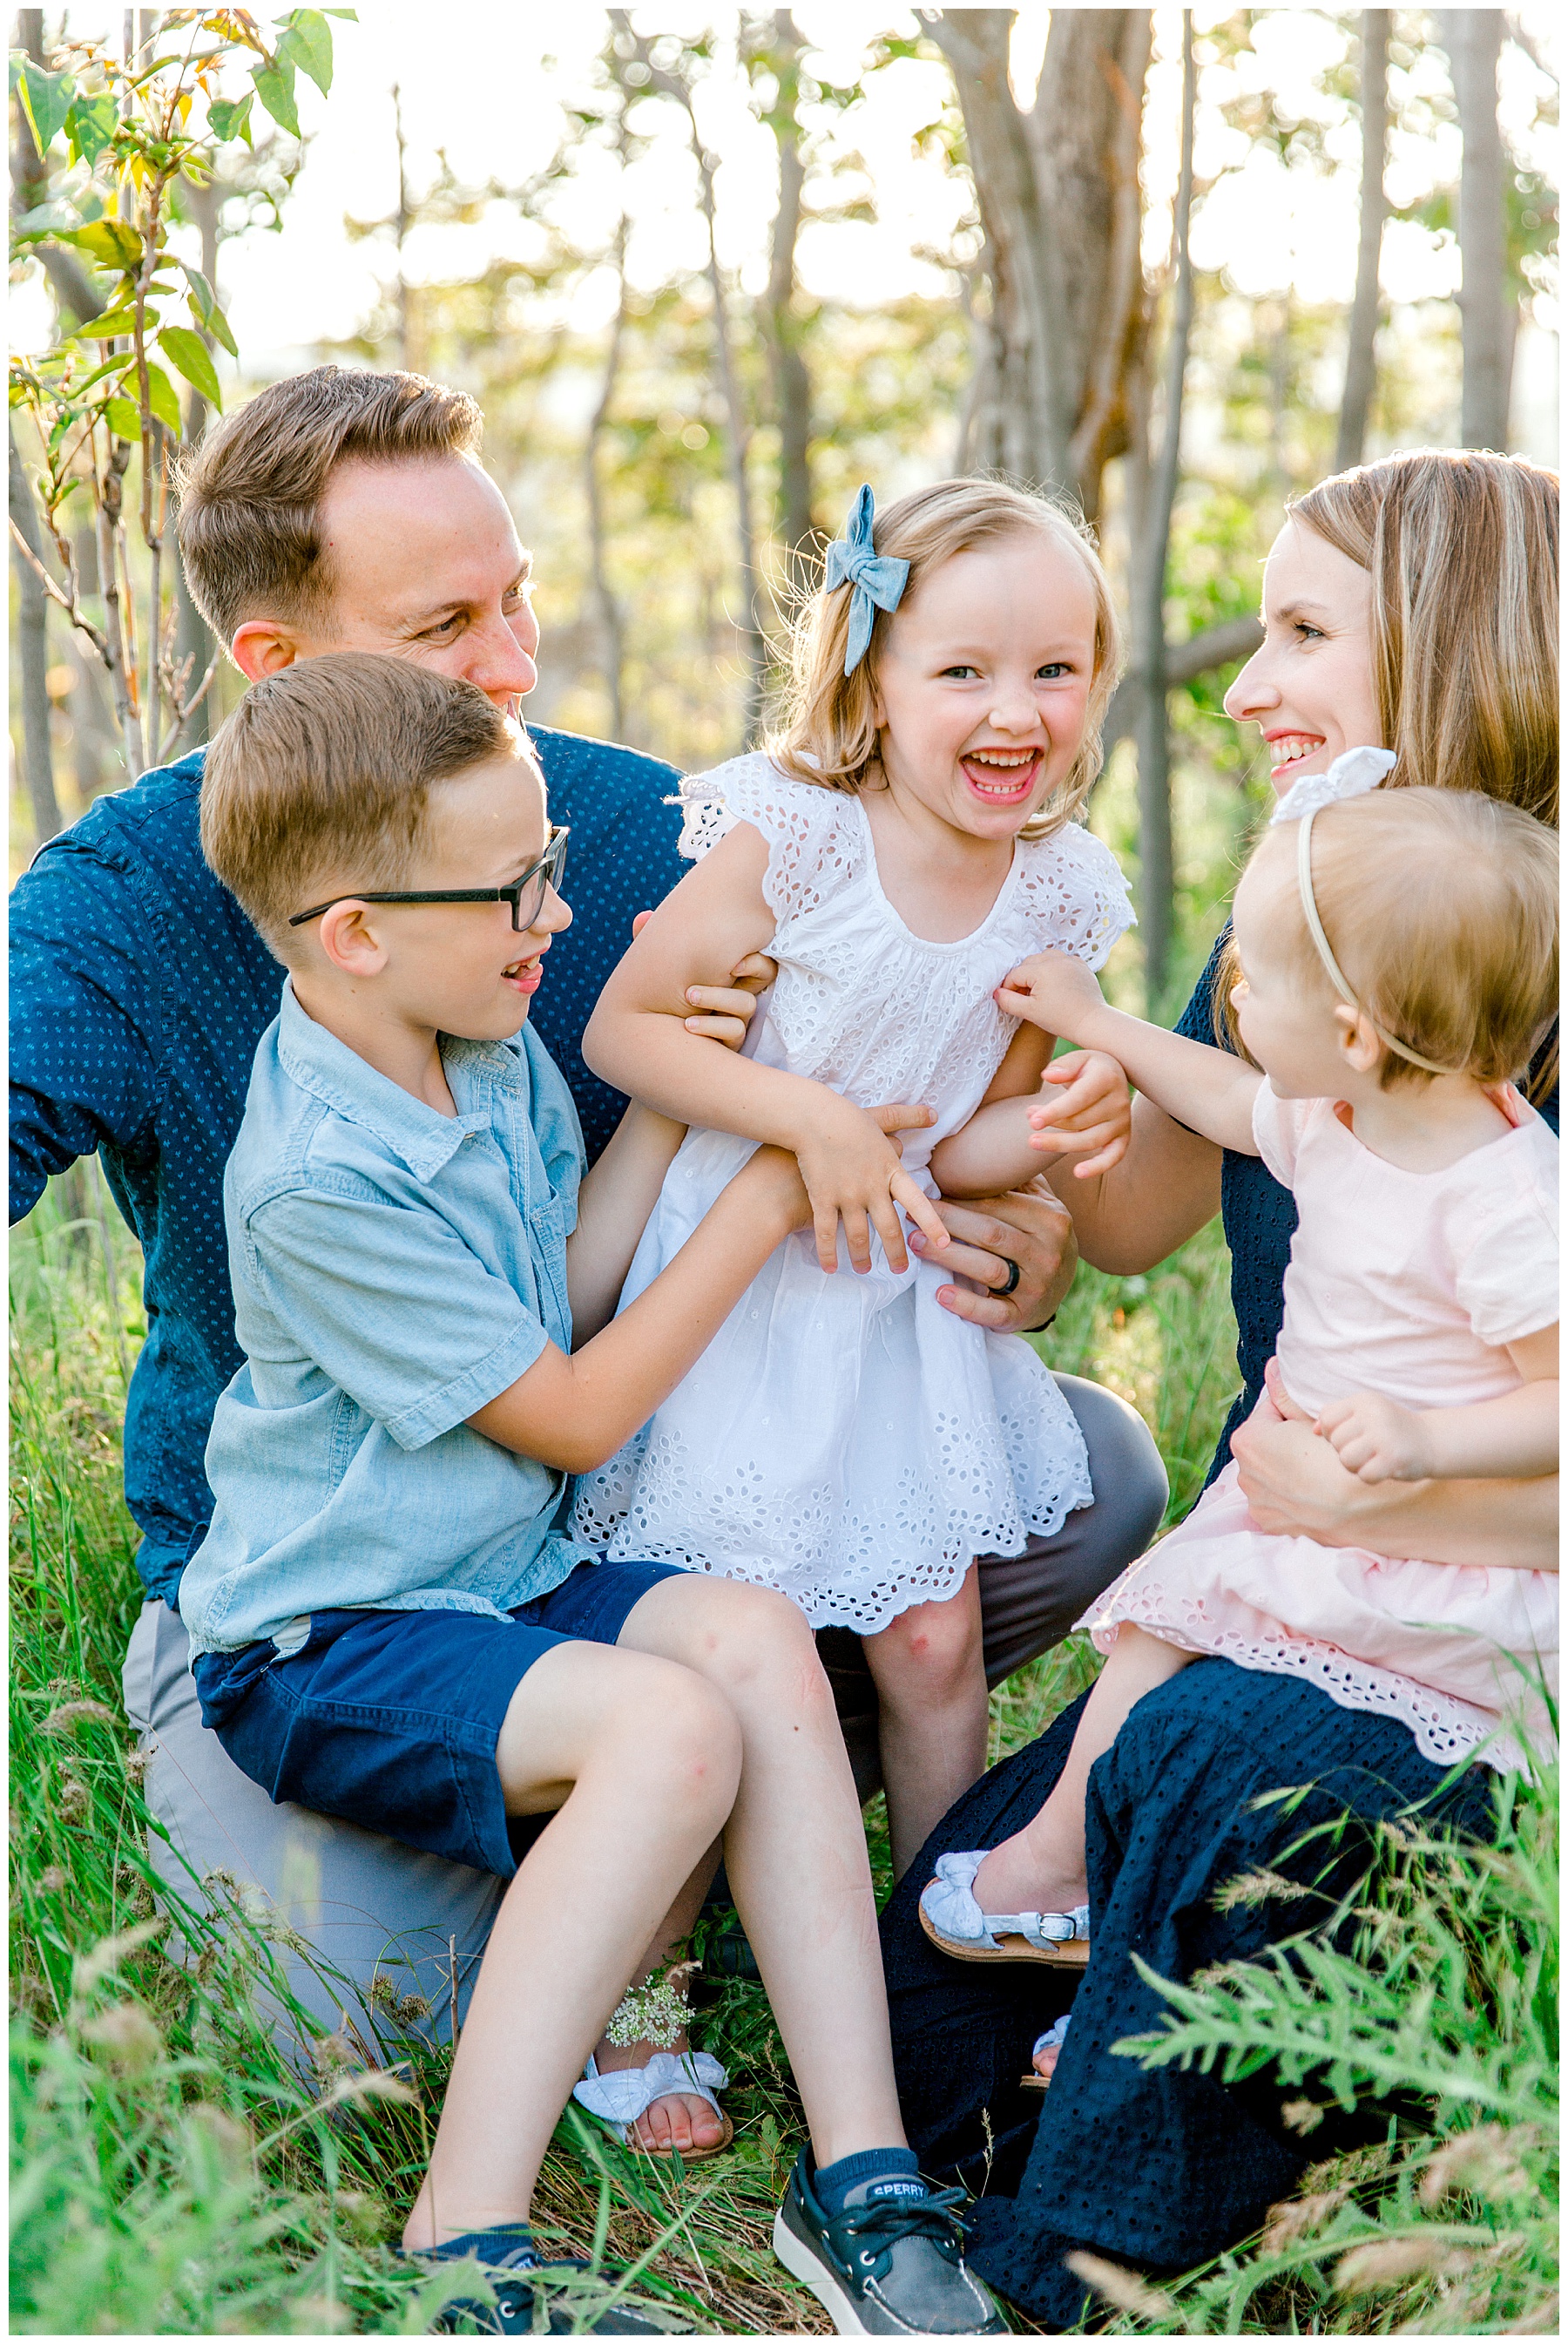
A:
x: 1350, y: 776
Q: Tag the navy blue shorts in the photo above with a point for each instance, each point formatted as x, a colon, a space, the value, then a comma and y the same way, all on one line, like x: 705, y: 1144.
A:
x: 390, y: 1719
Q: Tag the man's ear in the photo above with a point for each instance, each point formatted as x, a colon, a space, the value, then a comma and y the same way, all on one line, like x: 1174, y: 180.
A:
x: 265, y: 647
x: 1358, y: 1044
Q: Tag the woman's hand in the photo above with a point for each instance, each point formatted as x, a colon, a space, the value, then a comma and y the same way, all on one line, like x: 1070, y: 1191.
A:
x: 1092, y: 1111
x: 852, y: 1172
x: 1294, y: 1485
x: 1027, y: 1237
x: 1054, y: 991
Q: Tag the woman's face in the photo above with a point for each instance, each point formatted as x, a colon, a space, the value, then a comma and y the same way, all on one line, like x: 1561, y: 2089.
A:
x: 1309, y: 689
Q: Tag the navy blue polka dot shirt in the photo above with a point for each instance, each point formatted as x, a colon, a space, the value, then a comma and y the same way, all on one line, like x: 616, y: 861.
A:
x: 139, y: 991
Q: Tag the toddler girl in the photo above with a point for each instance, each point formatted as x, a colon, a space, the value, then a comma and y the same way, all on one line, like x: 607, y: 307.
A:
x: 900, y: 848
x: 1399, y: 963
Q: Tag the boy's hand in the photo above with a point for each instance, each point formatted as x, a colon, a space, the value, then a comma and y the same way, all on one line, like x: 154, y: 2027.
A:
x: 725, y: 1009
x: 851, y: 1170
x: 1051, y: 990
x: 1377, y: 1439
x: 1092, y: 1110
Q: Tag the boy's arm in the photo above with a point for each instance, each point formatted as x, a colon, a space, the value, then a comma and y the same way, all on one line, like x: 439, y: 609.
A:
x: 637, y: 1039
x: 1511, y: 1439
x: 574, y: 1413
x: 613, y: 1206
x: 1208, y: 1090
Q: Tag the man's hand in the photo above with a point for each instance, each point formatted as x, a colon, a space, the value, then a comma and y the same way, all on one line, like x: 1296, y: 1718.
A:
x: 1054, y: 991
x: 1030, y: 1231
x: 1377, y: 1439
x: 725, y: 1011
x: 852, y: 1172
x: 1092, y: 1111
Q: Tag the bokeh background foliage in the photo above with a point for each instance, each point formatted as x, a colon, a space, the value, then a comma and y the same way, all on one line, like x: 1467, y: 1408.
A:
x: 712, y: 271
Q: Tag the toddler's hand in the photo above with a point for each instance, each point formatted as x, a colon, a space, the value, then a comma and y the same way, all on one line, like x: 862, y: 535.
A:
x: 1051, y: 990
x: 1092, y: 1109
x: 851, y: 1170
x: 1376, y: 1438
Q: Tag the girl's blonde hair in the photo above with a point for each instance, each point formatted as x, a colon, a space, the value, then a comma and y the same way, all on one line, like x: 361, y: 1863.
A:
x: 1440, y: 908
x: 1462, y: 547
x: 827, y: 735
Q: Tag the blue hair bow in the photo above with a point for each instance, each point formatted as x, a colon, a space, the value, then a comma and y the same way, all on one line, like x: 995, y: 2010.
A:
x: 876, y: 578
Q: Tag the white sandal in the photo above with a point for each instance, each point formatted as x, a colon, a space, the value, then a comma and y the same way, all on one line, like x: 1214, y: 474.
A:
x: 952, y: 1919
x: 1052, y: 2040
x: 618, y: 2098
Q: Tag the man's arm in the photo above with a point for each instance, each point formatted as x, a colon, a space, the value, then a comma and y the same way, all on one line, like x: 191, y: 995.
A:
x: 1163, y: 1191
x: 82, y: 1072
x: 1024, y: 1242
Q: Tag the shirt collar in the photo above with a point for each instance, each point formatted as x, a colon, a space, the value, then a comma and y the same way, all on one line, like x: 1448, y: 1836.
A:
x: 420, y: 1137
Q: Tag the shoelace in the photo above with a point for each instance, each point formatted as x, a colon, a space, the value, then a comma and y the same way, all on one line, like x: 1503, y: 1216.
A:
x: 931, y: 2217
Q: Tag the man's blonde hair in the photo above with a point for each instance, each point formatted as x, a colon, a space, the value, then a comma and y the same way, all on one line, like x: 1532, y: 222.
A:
x: 827, y: 735
x: 1440, y: 908
x: 321, y: 778
x: 250, y: 495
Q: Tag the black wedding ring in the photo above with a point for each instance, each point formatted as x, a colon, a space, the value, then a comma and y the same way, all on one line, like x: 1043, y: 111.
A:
x: 1013, y: 1274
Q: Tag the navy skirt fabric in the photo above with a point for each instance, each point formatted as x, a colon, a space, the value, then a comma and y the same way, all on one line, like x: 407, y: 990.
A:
x: 390, y: 1719
x: 1155, y: 2168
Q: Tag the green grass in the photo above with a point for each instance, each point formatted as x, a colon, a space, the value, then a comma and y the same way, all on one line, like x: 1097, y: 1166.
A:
x: 173, y: 2174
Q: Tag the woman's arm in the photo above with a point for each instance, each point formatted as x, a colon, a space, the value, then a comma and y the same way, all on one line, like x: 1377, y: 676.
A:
x: 1512, y: 1436
x: 1295, y: 1487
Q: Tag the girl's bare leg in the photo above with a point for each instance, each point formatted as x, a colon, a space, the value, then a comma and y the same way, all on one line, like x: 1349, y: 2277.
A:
x: 641, y: 1759
x: 1041, y: 1869
x: 794, y: 1848
x: 928, y: 1668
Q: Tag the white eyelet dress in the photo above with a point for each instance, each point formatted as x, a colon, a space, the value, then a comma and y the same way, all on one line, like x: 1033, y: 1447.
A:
x: 844, y: 1438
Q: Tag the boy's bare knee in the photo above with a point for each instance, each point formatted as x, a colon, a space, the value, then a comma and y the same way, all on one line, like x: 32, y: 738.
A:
x: 737, y: 1634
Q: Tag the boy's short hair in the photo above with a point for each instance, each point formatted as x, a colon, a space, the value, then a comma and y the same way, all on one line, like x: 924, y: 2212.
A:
x: 250, y: 495
x: 321, y: 778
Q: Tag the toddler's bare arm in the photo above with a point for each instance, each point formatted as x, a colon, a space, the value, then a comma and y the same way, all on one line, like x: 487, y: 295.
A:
x: 1511, y: 1439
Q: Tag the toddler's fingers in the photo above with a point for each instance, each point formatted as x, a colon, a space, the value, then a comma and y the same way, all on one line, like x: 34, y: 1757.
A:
x: 891, y: 1229
x: 1107, y: 1160
x: 1013, y: 1001
x: 919, y: 1208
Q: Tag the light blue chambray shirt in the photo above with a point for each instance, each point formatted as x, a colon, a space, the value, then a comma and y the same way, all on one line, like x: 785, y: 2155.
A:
x: 394, y: 1270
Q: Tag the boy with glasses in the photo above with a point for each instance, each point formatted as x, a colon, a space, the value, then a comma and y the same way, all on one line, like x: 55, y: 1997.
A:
x: 389, y: 1619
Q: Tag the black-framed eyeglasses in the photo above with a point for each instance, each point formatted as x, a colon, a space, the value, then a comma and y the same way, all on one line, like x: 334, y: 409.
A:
x: 526, y: 895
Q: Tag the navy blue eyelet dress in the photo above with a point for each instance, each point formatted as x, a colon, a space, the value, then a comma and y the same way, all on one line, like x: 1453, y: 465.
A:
x: 1158, y: 2168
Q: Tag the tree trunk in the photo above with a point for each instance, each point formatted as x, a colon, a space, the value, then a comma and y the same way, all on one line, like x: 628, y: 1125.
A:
x: 194, y: 642
x: 1472, y: 38
x: 33, y: 644
x: 1156, y: 850
x: 612, y: 632
x: 1360, y: 359
x: 791, y: 379
x: 1057, y: 189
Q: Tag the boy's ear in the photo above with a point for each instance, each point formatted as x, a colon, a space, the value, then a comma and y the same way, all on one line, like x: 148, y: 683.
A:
x: 1358, y: 1044
x: 348, y: 941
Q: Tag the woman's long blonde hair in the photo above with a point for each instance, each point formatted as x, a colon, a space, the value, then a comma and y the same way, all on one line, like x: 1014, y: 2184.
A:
x: 1461, y: 548
x: 827, y: 735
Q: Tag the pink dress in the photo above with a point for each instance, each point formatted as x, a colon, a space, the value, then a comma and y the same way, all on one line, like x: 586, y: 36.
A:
x: 1410, y: 1284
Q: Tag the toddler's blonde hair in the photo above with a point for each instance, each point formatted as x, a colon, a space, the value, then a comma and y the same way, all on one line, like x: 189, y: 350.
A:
x: 827, y: 735
x: 1441, y: 907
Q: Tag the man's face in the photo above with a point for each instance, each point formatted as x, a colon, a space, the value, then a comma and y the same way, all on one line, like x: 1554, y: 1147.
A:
x: 426, y: 565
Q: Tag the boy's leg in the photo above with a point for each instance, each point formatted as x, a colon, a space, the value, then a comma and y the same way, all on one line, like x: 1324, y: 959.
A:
x: 640, y: 1760
x: 794, y: 1848
x: 1042, y: 1867
x: 929, y: 1669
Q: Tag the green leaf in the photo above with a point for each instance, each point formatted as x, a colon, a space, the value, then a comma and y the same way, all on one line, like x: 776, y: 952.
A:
x: 123, y: 419
x: 205, y: 303
x: 189, y: 353
x: 230, y: 118
x: 46, y: 101
x: 306, y: 43
x: 109, y: 323
x: 275, y: 87
x: 163, y: 398
x: 91, y: 124
x: 112, y: 241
